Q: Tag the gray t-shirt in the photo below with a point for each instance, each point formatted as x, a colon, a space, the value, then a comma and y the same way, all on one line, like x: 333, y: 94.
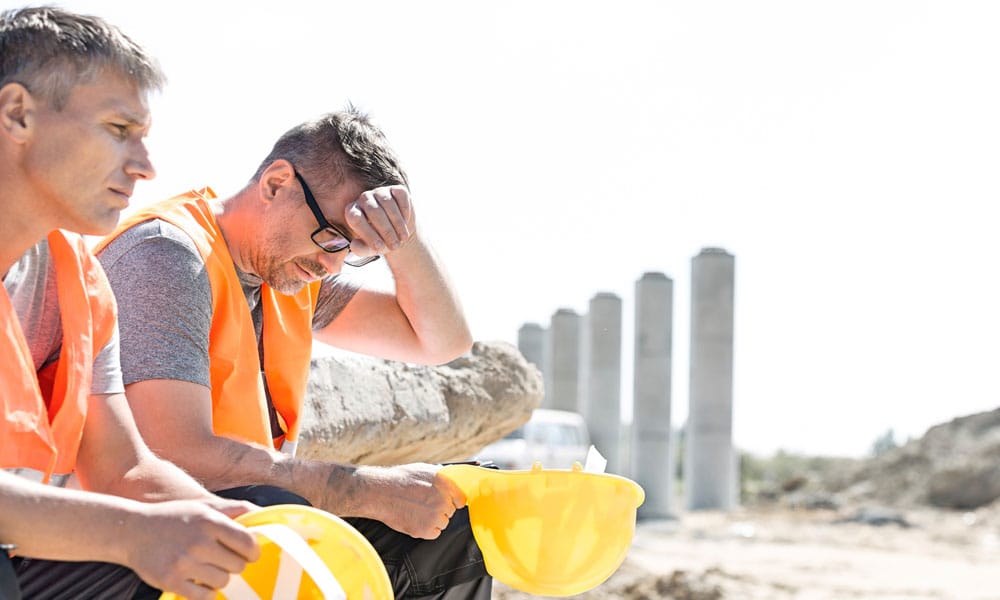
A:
x: 31, y: 285
x: 165, y: 302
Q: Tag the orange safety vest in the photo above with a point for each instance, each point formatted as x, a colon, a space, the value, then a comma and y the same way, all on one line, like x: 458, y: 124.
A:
x: 44, y: 413
x: 239, y: 405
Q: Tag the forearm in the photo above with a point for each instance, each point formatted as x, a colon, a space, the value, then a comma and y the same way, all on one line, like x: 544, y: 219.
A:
x: 342, y: 489
x: 430, y: 303
x: 156, y: 480
x: 180, y: 430
x: 113, y: 459
x: 59, y: 524
x: 220, y: 463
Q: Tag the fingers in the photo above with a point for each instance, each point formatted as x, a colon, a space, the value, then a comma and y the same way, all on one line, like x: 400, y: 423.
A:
x: 402, y: 197
x: 426, y: 524
x: 414, y: 499
x: 446, y: 515
x: 240, y: 543
x: 231, y: 508
x: 451, y: 490
x: 209, y: 577
x: 231, y: 549
x: 193, y: 591
x: 452, y: 499
x: 198, y: 573
x: 198, y: 547
x: 433, y: 524
x: 205, y: 576
x: 382, y: 220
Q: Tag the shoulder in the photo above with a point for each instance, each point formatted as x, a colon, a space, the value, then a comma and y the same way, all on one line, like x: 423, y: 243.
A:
x: 32, y: 274
x: 35, y: 260
x: 339, y: 285
x: 149, y: 237
x: 334, y: 294
x: 152, y: 253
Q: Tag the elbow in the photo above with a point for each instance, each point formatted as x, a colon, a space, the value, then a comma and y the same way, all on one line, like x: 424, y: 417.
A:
x: 456, y: 346
x: 462, y: 346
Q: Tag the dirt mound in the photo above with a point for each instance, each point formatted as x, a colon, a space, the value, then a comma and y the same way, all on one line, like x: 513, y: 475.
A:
x: 637, y: 584
x: 954, y: 465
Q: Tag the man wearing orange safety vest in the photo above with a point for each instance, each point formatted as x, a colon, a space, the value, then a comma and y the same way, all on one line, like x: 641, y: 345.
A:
x: 86, y: 510
x: 220, y: 299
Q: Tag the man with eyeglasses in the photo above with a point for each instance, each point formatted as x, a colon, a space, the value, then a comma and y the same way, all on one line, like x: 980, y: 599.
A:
x: 220, y: 300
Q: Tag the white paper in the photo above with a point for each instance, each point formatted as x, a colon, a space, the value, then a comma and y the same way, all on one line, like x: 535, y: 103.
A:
x: 596, y: 463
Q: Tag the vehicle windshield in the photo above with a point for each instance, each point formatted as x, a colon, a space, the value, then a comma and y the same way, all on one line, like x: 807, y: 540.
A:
x: 517, y: 434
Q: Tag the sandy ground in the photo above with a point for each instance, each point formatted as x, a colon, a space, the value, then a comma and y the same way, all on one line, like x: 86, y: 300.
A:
x: 784, y: 554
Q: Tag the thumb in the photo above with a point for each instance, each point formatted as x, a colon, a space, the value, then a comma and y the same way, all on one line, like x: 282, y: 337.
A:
x: 234, y: 508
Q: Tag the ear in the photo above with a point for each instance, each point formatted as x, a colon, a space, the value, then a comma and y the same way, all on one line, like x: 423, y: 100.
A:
x: 277, y: 175
x: 17, y: 112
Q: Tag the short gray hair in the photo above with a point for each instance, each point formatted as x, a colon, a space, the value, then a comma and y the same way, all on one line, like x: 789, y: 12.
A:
x: 49, y: 50
x: 337, y: 146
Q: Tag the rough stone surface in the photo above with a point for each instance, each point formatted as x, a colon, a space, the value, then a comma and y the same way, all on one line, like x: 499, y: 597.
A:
x: 369, y: 411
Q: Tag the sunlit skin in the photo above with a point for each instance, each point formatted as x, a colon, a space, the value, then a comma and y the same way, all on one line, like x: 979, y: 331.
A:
x: 83, y: 161
x: 273, y: 241
x: 76, y: 168
x: 267, y: 227
x: 77, y: 165
x: 284, y: 256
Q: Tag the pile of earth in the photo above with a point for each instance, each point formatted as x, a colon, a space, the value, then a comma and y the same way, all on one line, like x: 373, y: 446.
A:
x: 637, y: 584
x: 955, y: 465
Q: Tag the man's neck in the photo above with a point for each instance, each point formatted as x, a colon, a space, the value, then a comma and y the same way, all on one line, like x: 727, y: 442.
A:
x: 235, y: 227
x: 23, y: 225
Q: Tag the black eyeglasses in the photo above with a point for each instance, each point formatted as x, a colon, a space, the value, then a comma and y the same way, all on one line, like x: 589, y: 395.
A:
x: 329, y: 237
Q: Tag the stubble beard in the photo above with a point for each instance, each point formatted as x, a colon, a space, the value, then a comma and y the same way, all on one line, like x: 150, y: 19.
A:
x: 278, y: 279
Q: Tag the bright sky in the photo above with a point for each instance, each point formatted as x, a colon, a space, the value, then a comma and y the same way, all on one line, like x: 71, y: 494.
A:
x: 845, y: 152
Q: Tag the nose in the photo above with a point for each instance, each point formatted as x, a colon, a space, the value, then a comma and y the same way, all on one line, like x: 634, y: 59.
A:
x: 138, y: 165
x: 333, y: 262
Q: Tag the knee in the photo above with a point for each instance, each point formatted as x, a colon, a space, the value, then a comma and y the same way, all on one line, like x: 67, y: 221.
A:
x: 263, y: 495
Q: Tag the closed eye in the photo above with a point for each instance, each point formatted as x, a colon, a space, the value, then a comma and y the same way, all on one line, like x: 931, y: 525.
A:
x: 120, y: 130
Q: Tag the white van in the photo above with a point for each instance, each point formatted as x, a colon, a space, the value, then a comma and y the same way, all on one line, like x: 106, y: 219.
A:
x: 556, y: 438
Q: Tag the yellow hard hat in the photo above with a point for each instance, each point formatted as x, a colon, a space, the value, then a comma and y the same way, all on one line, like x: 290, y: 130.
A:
x: 310, y: 550
x: 547, y: 531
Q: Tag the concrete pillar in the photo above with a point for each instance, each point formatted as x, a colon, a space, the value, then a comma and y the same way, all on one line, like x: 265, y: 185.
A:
x: 563, y: 362
x: 652, y: 456
x: 710, y: 465
x: 602, y: 350
x: 531, y: 343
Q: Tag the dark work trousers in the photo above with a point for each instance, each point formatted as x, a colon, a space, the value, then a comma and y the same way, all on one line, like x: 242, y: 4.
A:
x: 9, y: 590
x: 53, y: 579
x: 447, y: 568
x: 62, y: 580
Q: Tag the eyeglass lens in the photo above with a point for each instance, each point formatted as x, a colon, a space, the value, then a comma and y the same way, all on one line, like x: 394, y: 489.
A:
x: 331, y: 240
